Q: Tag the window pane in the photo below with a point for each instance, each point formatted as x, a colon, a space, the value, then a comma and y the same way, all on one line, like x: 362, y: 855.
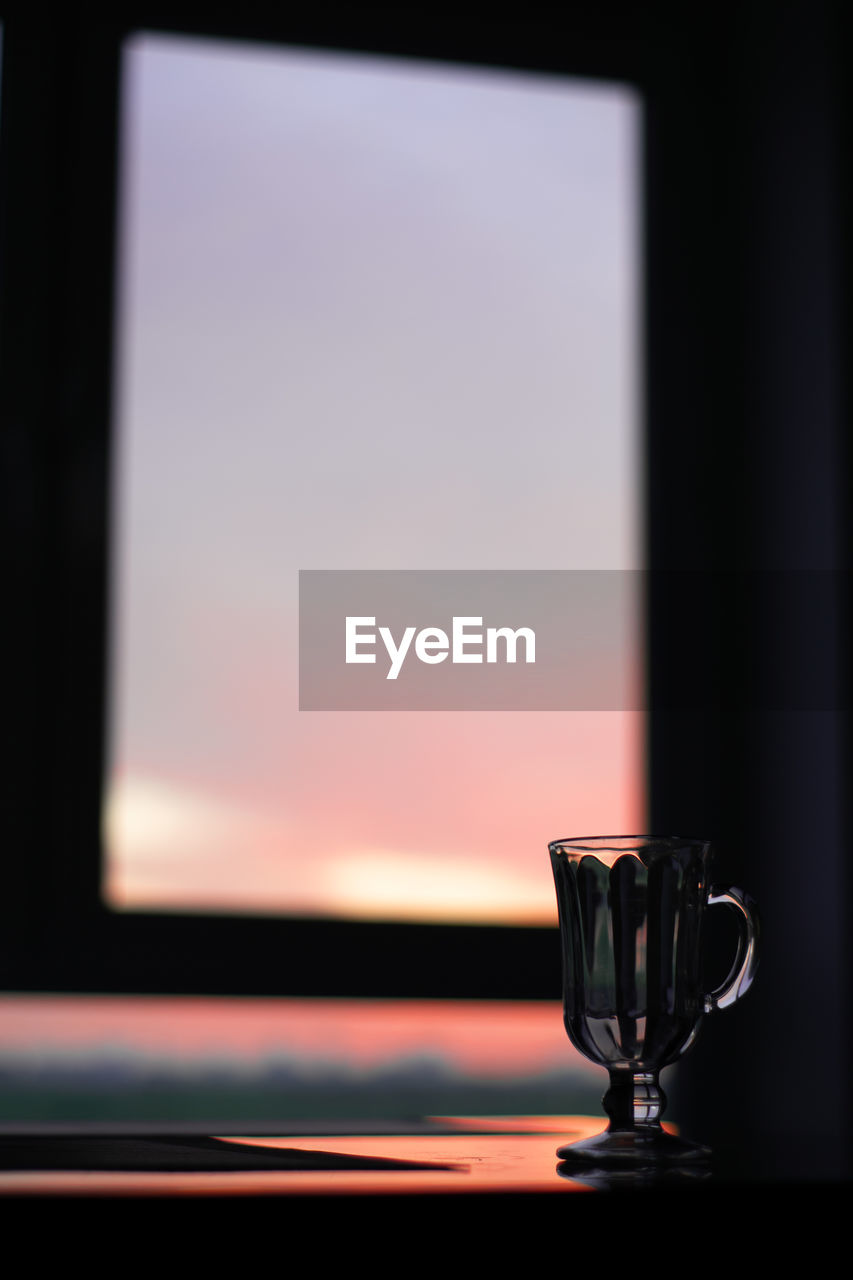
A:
x: 193, y: 1062
x: 373, y: 314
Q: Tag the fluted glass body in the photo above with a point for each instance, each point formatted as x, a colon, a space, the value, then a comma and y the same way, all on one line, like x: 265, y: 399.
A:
x: 630, y: 920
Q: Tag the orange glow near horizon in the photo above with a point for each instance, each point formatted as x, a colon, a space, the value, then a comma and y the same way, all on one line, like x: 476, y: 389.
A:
x: 434, y: 817
x: 496, y: 1038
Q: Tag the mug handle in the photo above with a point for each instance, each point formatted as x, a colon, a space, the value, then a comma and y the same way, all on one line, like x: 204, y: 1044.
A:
x: 746, y: 961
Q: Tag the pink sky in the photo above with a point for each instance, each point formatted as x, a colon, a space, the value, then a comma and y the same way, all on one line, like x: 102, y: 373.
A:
x: 372, y: 314
x: 500, y: 1038
x: 441, y: 815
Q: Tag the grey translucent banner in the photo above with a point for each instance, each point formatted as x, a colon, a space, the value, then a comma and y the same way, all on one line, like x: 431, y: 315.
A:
x: 546, y: 640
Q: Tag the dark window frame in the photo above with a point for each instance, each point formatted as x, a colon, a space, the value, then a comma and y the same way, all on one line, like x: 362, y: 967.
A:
x: 59, y: 168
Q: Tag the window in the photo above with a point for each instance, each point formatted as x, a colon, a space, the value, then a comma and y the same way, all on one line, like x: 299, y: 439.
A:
x: 374, y: 313
x: 155, y: 946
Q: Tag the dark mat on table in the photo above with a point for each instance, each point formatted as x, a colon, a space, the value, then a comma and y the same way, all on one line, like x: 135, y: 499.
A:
x: 177, y: 1154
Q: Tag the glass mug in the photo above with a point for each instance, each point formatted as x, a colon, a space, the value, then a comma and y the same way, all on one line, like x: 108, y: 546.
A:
x: 631, y: 911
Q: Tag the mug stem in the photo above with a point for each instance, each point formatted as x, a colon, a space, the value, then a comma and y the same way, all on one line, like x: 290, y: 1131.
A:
x: 635, y: 1136
x: 634, y: 1102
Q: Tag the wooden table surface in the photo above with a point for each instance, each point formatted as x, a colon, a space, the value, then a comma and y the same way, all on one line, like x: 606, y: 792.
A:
x: 462, y: 1156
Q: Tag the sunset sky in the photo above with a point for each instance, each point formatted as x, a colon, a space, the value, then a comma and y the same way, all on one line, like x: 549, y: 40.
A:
x: 484, y: 1039
x: 373, y: 314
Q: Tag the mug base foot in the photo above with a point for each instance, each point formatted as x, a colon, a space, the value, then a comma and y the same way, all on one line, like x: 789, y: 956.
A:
x: 632, y: 1149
